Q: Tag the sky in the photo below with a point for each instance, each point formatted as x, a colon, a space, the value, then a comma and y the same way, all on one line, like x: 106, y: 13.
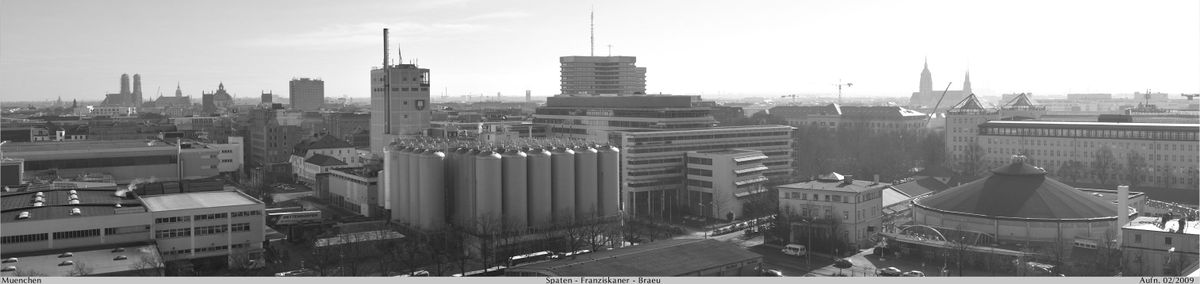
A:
x: 79, y: 49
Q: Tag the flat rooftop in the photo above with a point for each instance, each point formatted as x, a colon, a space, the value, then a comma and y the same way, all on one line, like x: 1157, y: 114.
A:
x: 823, y: 183
x: 1152, y: 224
x: 661, y: 258
x: 729, y: 152
x: 101, y: 260
x: 196, y: 200
x: 90, y: 145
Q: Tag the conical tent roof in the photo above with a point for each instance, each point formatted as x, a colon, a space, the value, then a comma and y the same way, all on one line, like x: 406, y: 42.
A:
x: 1021, y: 100
x: 970, y: 102
x: 1020, y: 190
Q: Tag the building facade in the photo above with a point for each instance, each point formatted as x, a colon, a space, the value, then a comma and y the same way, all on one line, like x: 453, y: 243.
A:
x: 653, y: 165
x: 125, y: 160
x: 853, y: 207
x: 1159, y: 246
x: 595, y: 118
x: 602, y: 75
x: 872, y: 118
x: 720, y: 182
x: 306, y: 94
x: 399, y: 103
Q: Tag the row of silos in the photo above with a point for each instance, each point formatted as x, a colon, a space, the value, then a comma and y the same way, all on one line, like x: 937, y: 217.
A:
x: 414, y: 185
x: 489, y: 188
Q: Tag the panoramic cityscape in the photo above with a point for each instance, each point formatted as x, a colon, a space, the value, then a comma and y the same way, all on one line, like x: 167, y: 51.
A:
x: 772, y: 139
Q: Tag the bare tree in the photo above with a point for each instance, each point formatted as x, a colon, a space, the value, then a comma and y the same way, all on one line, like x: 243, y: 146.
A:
x: 148, y: 265
x: 972, y: 164
x: 1104, y: 165
x: 80, y: 269
x: 1071, y: 170
x: 1135, y: 168
x: 28, y: 273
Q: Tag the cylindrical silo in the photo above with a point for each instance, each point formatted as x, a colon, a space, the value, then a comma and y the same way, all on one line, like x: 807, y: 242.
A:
x: 414, y: 185
x: 432, y: 196
x: 609, y: 174
x: 400, y: 185
x: 516, y: 189
x: 562, y: 165
x: 540, y: 199
x: 585, y: 183
x: 385, y: 177
x: 488, y: 200
x: 466, y: 175
x: 450, y: 167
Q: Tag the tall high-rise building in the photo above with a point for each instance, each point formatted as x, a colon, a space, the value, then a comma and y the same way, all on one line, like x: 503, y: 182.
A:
x: 306, y: 94
x: 399, y: 101
x: 602, y: 75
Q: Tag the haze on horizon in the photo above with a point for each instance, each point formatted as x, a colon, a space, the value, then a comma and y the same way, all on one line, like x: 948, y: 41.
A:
x: 79, y: 49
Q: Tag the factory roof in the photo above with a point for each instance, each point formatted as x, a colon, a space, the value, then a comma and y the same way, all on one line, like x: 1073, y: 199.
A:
x: 89, y: 145
x: 321, y: 142
x: 196, y: 200
x: 1156, y: 224
x: 836, y: 182
x: 55, y: 203
x: 324, y: 160
x: 662, y: 258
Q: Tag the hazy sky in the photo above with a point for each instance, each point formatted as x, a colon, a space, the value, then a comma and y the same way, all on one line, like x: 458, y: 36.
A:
x: 79, y: 49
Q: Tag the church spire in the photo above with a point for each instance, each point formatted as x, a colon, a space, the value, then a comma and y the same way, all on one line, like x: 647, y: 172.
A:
x: 178, y: 91
x: 967, y: 83
x: 926, y: 80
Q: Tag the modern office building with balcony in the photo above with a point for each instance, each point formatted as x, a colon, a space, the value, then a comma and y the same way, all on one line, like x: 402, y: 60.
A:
x: 595, y: 118
x: 602, y: 75
x: 654, y: 166
x: 720, y: 182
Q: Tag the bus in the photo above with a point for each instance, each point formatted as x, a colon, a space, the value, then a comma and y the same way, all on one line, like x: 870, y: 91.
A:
x: 291, y: 218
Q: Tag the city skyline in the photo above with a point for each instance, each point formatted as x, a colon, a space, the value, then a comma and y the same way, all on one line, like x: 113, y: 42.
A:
x: 484, y: 47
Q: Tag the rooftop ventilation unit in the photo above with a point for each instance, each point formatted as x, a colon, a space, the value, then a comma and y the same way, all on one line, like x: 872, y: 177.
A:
x: 23, y: 215
x: 73, y: 197
x: 76, y: 212
x: 38, y: 204
x: 73, y: 201
x: 72, y: 192
x: 40, y: 194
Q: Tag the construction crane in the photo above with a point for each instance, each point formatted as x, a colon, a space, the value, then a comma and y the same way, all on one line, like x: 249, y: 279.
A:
x: 939, y: 102
x: 793, y: 96
x: 839, y: 86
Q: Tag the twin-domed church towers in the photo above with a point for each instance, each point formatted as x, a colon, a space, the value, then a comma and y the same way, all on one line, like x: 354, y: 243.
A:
x: 927, y: 97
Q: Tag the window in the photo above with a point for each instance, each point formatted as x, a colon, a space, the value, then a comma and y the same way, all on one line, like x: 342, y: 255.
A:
x: 24, y: 238
x: 211, y: 230
x: 1167, y: 241
x: 845, y: 214
x: 1137, y: 238
x: 241, y: 227
x: 172, y: 233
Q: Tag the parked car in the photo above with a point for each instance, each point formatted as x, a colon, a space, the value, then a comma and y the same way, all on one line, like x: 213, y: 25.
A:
x: 890, y: 271
x: 298, y: 272
x: 772, y: 272
x: 795, y: 249
x: 914, y: 273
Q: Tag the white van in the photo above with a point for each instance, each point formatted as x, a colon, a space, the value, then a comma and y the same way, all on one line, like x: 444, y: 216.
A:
x: 794, y: 249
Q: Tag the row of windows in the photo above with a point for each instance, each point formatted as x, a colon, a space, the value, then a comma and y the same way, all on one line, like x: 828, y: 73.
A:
x: 126, y: 230
x: 172, y: 252
x: 213, y: 216
x: 655, y: 161
x: 211, y: 230
x: 24, y: 238
x: 700, y: 183
x: 710, y: 136
x: 241, y: 227
x: 832, y: 197
x: 672, y: 170
x: 212, y: 249
x: 699, y: 172
x: 709, y: 147
x: 672, y: 181
x: 172, y: 233
x: 779, y: 163
x: 245, y: 213
x: 99, y: 162
x: 699, y: 161
x: 1090, y: 133
x: 76, y: 234
x: 172, y: 219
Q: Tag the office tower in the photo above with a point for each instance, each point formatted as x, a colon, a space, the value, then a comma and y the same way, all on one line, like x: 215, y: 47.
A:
x: 306, y: 94
x: 399, y: 101
x: 602, y: 75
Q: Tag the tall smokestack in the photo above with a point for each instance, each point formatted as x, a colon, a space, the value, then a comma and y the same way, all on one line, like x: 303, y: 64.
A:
x: 1122, y: 209
x: 385, y: 48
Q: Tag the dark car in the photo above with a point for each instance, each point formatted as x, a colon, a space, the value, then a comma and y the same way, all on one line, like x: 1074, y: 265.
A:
x: 843, y: 263
x: 890, y: 271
